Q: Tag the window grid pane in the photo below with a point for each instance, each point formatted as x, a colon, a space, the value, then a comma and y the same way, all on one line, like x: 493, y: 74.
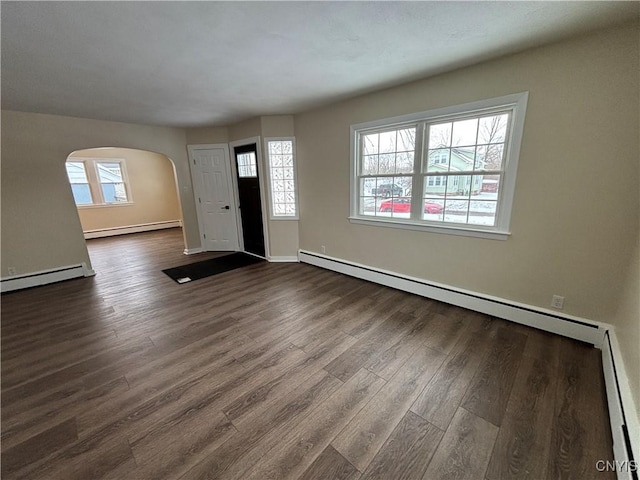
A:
x: 247, y: 165
x: 281, y: 169
x: 111, y: 182
x: 77, y: 174
x: 388, y: 152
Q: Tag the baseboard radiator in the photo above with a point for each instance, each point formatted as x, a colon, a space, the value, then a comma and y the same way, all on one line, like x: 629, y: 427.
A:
x: 44, y: 277
x: 625, y: 428
x: 142, y: 227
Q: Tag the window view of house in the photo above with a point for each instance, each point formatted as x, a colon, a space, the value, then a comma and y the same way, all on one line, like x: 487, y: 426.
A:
x: 464, y: 168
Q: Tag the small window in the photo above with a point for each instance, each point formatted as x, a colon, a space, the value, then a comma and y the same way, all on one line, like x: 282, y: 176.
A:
x: 98, y: 182
x: 111, y: 182
x: 247, y: 165
x: 454, y: 166
x: 282, y: 178
x: 79, y: 183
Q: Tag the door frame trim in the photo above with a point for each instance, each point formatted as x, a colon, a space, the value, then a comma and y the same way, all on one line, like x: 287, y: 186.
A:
x: 263, y: 195
x: 194, y: 186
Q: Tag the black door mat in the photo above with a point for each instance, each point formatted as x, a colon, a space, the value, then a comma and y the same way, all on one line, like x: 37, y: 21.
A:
x: 213, y: 266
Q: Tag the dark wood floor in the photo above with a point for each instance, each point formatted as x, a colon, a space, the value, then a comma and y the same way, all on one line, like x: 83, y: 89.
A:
x: 282, y: 371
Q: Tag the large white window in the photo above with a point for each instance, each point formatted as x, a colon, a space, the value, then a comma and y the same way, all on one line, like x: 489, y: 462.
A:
x: 281, y: 158
x: 450, y: 170
x: 98, y: 182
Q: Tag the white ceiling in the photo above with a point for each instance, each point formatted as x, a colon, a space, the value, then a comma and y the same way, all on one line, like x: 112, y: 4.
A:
x: 214, y: 63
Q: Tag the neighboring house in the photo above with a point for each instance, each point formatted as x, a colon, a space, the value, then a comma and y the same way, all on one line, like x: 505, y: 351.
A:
x: 462, y: 159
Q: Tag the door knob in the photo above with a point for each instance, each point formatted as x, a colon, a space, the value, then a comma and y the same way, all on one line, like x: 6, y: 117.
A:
x: 226, y: 207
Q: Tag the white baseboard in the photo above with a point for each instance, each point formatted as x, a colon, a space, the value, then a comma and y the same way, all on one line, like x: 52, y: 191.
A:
x: 142, y: 227
x: 45, y: 277
x: 191, y: 251
x: 625, y: 425
x: 547, y: 320
x: 284, y: 259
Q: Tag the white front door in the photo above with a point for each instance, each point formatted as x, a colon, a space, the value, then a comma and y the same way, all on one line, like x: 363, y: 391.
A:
x: 210, y: 171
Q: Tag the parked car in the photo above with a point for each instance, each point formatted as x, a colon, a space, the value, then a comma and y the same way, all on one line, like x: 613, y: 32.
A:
x: 387, y: 190
x: 403, y: 205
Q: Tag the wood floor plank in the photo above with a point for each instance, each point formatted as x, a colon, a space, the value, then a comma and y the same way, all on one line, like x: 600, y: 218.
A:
x: 246, y: 448
x: 297, y: 450
x: 246, y: 408
x: 20, y: 427
x: 112, y: 462
x: 522, y: 446
x: 445, y: 332
x: 386, y: 363
x: 158, y: 455
x: 57, y: 379
x: 361, y: 439
x: 204, y: 392
x: 489, y: 392
x: 384, y: 303
x: 579, y: 430
x: 407, y: 452
x: 143, y: 400
x: 55, y: 357
x: 464, y: 450
x: 38, y: 446
x: 440, y: 400
x: 371, y: 345
x: 330, y: 464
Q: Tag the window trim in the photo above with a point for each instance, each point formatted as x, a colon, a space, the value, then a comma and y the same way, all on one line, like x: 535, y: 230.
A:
x: 95, y: 186
x: 295, y: 177
x: 501, y: 231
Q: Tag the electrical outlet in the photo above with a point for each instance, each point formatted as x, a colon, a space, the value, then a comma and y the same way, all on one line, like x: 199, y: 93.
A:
x: 557, y: 302
x: 11, y: 270
x: 323, y: 248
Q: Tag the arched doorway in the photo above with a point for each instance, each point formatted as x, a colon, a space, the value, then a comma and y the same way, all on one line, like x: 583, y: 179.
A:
x: 122, y: 190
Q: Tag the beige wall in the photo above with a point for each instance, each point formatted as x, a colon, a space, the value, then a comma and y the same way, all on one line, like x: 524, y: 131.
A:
x: 40, y: 224
x: 152, y: 190
x: 571, y: 233
x: 207, y: 135
x: 247, y: 129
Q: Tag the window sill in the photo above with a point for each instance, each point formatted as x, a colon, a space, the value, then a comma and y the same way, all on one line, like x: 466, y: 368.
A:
x: 284, y: 218
x: 103, y: 205
x: 445, y: 229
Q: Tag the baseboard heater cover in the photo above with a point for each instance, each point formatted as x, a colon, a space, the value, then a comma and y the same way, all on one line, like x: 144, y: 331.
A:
x: 625, y: 426
x: 142, y: 227
x: 568, y: 326
x: 283, y: 259
x: 45, y: 277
